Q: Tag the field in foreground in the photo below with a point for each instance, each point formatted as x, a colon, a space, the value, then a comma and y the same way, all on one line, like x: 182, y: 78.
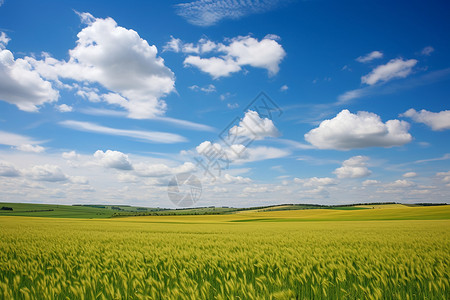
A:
x: 396, y: 253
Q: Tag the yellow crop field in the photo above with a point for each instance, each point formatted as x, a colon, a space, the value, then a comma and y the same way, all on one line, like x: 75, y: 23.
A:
x: 263, y: 255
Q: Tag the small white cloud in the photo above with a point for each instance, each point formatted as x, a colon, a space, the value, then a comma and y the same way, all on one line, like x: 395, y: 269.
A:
x: 354, y: 167
x: 207, y: 89
x: 284, y: 88
x: 30, y: 148
x: 395, y: 68
x: 161, y: 170
x: 316, y: 181
x: 173, y: 45
x: 410, y: 174
x: 79, y: 180
x: 364, y: 129
x: 437, y: 121
x: 72, y: 155
x: 232, y: 105
x: 445, y: 177
x: 4, y: 39
x: 64, y: 108
x: 370, y: 182
x: 427, y: 50
x: 255, y: 127
x: 229, y: 179
x: 113, y: 159
x: 370, y: 56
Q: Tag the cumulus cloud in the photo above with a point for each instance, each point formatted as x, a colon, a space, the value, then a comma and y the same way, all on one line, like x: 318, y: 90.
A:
x: 284, y: 88
x: 8, y: 170
x: 364, y: 129
x: 113, y: 159
x: 119, y: 60
x: 209, y: 12
x: 445, y: 177
x: 227, y: 178
x: 50, y: 173
x: 410, y: 174
x: 20, y: 83
x: 64, y: 108
x: 395, y: 68
x: 254, y: 127
x: 354, y: 167
x: 437, y: 121
x: 370, y: 56
x: 71, y: 155
x: 240, y: 51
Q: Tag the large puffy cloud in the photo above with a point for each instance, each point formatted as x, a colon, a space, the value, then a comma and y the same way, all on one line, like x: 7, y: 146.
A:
x: 364, y: 129
x: 113, y: 159
x: 118, y: 59
x: 241, y: 51
x: 395, y: 68
x: 255, y: 127
x: 20, y: 83
x: 437, y: 121
x: 354, y: 167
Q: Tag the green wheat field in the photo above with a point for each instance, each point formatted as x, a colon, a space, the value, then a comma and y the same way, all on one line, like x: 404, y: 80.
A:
x: 359, y: 252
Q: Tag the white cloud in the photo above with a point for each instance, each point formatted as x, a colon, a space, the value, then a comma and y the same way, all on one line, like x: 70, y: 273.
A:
x: 370, y: 182
x: 395, y: 68
x: 232, y: 105
x: 173, y: 45
x: 437, y: 121
x: 410, y: 174
x: 160, y: 170
x: 118, y: 59
x: 19, y: 141
x: 71, y: 155
x: 207, y: 89
x: 284, y: 88
x: 444, y: 176
x: 79, y: 180
x: 209, y: 12
x: 349, y: 131
x: 229, y: 179
x: 113, y: 159
x: 255, y: 127
x: 64, y: 108
x: 427, y: 50
x: 354, y: 167
x: 401, y: 183
x: 4, y: 39
x: 30, y: 148
x: 316, y: 181
x: 255, y: 189
x: 8, y: 170
x: 50, y: 173
x: 370, y: 56
x: 21, y: 84
x: 150, y: 136
x: 241, y: 51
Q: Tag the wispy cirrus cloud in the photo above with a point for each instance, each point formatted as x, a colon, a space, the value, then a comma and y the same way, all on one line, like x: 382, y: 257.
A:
x: 210, y: 12
x: 148, y: 136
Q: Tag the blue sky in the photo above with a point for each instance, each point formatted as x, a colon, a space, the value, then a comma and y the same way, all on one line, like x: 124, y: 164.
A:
x: 106, y: 101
